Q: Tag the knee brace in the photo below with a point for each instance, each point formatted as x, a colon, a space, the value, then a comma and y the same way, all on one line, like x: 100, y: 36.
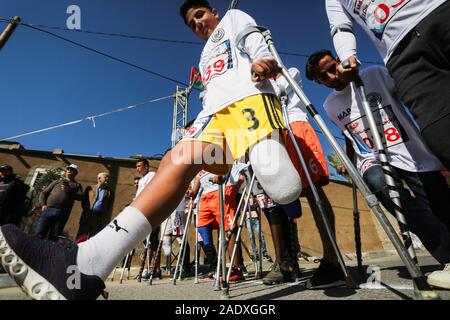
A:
x: 274, y: 170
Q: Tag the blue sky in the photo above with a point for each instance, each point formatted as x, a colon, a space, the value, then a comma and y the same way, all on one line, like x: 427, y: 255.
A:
x: 45, y: 81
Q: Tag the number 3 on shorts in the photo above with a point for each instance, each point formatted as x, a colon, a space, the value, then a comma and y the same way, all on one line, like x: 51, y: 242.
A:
x: 251, y: 117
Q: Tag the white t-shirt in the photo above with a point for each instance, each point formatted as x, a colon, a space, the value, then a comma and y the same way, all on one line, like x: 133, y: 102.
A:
x: 144, y: 181
x: 206, y: 177
x: 226, y: 69
x: 385, y: 21
x: 405, y: 148
x: 296, y: 109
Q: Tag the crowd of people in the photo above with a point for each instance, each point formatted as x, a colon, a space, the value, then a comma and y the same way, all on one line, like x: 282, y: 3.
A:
x: 241, y: 128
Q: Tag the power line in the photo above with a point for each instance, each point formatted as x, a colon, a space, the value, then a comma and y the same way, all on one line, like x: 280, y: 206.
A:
x: 90, y: 118
x: 120, y: 35
x: 107, y: 55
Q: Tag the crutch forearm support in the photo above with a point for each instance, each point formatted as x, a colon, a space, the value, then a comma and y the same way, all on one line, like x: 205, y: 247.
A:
x: 418, y: 277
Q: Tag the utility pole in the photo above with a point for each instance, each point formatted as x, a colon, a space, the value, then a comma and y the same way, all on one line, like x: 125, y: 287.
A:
x: 8, y: 31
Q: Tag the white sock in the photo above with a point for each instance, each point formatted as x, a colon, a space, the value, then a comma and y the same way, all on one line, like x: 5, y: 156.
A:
x: 101, y: 253
x: 274, y: 170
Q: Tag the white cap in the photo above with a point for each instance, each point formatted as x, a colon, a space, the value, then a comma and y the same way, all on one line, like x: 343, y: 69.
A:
x: 73, y: 166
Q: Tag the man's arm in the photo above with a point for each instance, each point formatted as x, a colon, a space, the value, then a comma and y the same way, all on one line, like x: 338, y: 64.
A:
x: 344, y: 39
x: 78, y: 194
x: 193, y: 192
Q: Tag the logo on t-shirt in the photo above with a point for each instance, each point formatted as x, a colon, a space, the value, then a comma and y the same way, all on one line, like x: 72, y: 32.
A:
x: 218, y: 35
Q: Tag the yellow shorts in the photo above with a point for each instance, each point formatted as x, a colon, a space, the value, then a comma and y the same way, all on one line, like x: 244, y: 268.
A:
x: 239, y: 126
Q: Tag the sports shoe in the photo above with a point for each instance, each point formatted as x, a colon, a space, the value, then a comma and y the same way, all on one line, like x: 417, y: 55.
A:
x: 157, y: 274
x: 46, y: 270
x: 276, y: 274
x: 326, y: 276
x: 267, y: 258
x: 440, y: 279
x: 236, y: 275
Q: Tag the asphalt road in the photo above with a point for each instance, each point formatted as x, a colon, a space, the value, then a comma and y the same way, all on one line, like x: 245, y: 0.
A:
x: 385, y: 279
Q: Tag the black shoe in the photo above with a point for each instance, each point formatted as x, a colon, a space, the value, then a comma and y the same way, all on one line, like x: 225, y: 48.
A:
x: 46, y: 270
x: 326, y: 276
x: 157, y: 274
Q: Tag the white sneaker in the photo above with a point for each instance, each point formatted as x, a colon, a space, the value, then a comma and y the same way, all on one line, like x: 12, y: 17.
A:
x: 441, y: 278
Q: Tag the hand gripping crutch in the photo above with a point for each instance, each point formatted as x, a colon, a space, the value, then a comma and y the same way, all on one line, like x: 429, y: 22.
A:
x: 358, y: 87
x: 182, y: 250
x: 423, y: 289
x: 141, y: 269
x: 331, y: 236
x: 241, y: 223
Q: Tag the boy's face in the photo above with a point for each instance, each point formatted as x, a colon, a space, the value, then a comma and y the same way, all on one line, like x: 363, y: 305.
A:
x: 202, y: 21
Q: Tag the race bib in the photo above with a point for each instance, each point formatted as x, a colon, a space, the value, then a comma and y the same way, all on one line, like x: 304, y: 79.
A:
x: 377, y: 13
x: 218, y: 62
x: 264, y: 201
x: 388, y: 125
x: 197, y: 127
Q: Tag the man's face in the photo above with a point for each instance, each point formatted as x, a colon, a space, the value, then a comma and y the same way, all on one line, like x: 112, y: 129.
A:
x: 136, y: 183
x: 202, y: 21
x: 327, y: 73
x: 102, y: 180
x: 71, y: 173
x: 3, y: 174
x: 141, y: 168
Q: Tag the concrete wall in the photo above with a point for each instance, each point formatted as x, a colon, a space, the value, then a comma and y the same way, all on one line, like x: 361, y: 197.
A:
x: 122, y: 174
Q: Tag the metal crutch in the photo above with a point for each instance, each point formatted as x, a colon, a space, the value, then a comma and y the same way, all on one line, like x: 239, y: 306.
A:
x: 241, y: 222
x: 224, y: 283
x: 124, y: 267
x: 158, y: 251
x: 141, y: 269
x: 331, y: 236
x: 358, y: 87
x: 424, y: 290
x: 200, y: 191
x: 260, y: 266
x: 182, y: 249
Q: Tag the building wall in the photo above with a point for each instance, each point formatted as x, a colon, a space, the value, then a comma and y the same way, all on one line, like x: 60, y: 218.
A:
x: 122, y: 174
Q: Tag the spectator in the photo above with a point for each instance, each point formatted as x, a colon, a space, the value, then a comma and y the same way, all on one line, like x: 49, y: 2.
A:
x: 56, y: 202
x: 143, y: 168
x: 12, y: 196
x: 97, y: 202
x: 253, y: 225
